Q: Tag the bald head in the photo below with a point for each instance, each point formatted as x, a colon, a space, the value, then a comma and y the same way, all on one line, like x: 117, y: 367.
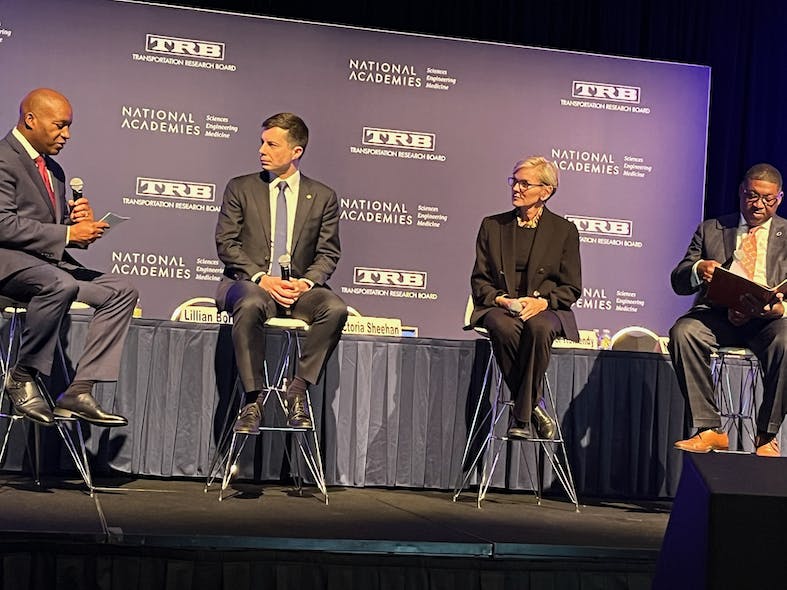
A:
x: 44, y: 119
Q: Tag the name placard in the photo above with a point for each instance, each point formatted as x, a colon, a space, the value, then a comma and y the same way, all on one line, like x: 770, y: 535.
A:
x: 203, y: 314
x: 373, y: 326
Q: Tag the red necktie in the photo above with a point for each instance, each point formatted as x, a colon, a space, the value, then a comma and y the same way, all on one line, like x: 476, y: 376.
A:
x: 45, y: 177
x: 749, y: 251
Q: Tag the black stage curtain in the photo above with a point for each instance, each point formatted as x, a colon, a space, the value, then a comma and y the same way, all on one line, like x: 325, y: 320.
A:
x: 390, y: 411
x: 741, y: 41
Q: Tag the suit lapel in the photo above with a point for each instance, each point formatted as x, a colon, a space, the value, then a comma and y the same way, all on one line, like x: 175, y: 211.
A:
x: 777, y: 251
x: 302, y: 210
x: 58, y: 188
x: 507, y: 255
x: 261, y: 206
x: 729, y: 232
x: 541, y: 243
x: 32, y: 171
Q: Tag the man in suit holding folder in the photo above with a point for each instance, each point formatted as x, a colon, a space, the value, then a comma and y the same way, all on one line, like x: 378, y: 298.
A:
x: 752, y: 242
x: 278, y: 237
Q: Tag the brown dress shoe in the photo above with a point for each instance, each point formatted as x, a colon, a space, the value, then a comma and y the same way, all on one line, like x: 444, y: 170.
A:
x: 704, y: 442
x: 298, y: 413
x: 249, y: 419
x: 769, y: 449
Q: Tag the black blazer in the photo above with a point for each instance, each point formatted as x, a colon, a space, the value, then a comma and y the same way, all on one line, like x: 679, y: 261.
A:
x: 554, y: 270
x: 243, y: 231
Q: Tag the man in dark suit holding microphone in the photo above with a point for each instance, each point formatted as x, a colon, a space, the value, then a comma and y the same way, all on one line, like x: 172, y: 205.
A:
x: 278, y: 236
x: 37, y: 224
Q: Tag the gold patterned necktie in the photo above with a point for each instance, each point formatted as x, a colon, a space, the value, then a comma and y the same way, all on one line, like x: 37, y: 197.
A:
x: 749, y: 252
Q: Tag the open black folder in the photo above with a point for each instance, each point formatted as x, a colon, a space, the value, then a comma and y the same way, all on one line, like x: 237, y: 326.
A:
x: 728, y: 289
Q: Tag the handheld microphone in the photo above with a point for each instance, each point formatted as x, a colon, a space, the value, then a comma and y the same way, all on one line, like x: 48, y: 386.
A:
x: 515, y: 308
x: 284, y: 263
x: 76, y: 184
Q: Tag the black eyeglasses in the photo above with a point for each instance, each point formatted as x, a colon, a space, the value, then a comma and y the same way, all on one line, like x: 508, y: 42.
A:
x: 523, y: 185
x: 767, y: 200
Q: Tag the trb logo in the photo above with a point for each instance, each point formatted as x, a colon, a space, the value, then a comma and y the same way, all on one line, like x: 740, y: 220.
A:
x: 602, y: 226
x: 389, y: 277
x: 175, y: 189
x: 184, y: 47
x: 601, y: 91
x: 413, y: 140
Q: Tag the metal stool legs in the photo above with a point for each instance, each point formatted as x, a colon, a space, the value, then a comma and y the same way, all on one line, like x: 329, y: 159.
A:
x: 739, y: 413
x: 69, y: 429
x: 491, y: 372
x: 488, y: 455
x: 305, y: 441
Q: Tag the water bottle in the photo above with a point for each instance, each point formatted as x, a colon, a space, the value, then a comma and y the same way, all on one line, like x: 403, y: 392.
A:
x: 606, y: 340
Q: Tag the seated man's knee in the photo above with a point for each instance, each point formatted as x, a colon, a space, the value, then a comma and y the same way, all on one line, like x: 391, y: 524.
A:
x: 681, y: 330
x: 63, y: 288
x: 131, y: 292
x: 335, y: 312
x: 254, y: 302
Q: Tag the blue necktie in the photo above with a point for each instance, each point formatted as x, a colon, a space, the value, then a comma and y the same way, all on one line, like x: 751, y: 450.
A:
x: 280, y: 229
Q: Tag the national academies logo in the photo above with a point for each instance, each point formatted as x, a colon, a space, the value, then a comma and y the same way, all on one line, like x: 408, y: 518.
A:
x: 393, y: 73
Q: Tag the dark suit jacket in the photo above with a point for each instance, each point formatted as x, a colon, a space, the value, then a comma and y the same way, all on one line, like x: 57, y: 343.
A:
x: 553, y: 271
x: 715, y: 240
x: 243, y: 231
x: 32, y: 232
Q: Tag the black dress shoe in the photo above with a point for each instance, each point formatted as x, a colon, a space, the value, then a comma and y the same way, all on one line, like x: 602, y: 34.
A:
x: 545, y: 426
x: 85, y: 406
x: 298, y: 413
x: 519, y: 430
x: 249, y: 419
x: 28, y: 401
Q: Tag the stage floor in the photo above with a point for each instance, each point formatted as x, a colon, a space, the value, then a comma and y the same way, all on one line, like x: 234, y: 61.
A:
x: 179, y: 514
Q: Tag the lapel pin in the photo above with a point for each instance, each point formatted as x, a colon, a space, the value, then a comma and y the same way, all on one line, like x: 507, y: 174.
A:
x: 778, y: 234
x: 309, y: 196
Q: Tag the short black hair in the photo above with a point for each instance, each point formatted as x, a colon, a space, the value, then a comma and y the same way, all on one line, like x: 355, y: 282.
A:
x: 764, y: 172
x: 297, y: 131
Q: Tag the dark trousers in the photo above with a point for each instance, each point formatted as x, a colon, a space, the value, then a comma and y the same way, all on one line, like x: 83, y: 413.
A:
x: 48, y: 292
x: 699, y: 333
x: 523, y: 350
x: 251, y: 306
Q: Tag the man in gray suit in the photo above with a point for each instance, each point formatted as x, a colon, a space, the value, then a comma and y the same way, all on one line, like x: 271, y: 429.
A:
x: 37, y: 224
x: 755, y: 240
x: 270, y: 221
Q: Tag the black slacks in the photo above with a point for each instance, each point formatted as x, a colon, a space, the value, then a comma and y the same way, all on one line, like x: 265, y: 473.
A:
x: 251, y: 306
x: 523, y: 350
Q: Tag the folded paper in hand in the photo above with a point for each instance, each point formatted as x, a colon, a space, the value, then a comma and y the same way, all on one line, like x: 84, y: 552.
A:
x: 729, y: 290
x: 113, y: 219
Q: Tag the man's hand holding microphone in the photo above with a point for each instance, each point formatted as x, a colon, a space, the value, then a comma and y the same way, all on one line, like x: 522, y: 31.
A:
x: 284, y: 290
x: 85, y: 230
